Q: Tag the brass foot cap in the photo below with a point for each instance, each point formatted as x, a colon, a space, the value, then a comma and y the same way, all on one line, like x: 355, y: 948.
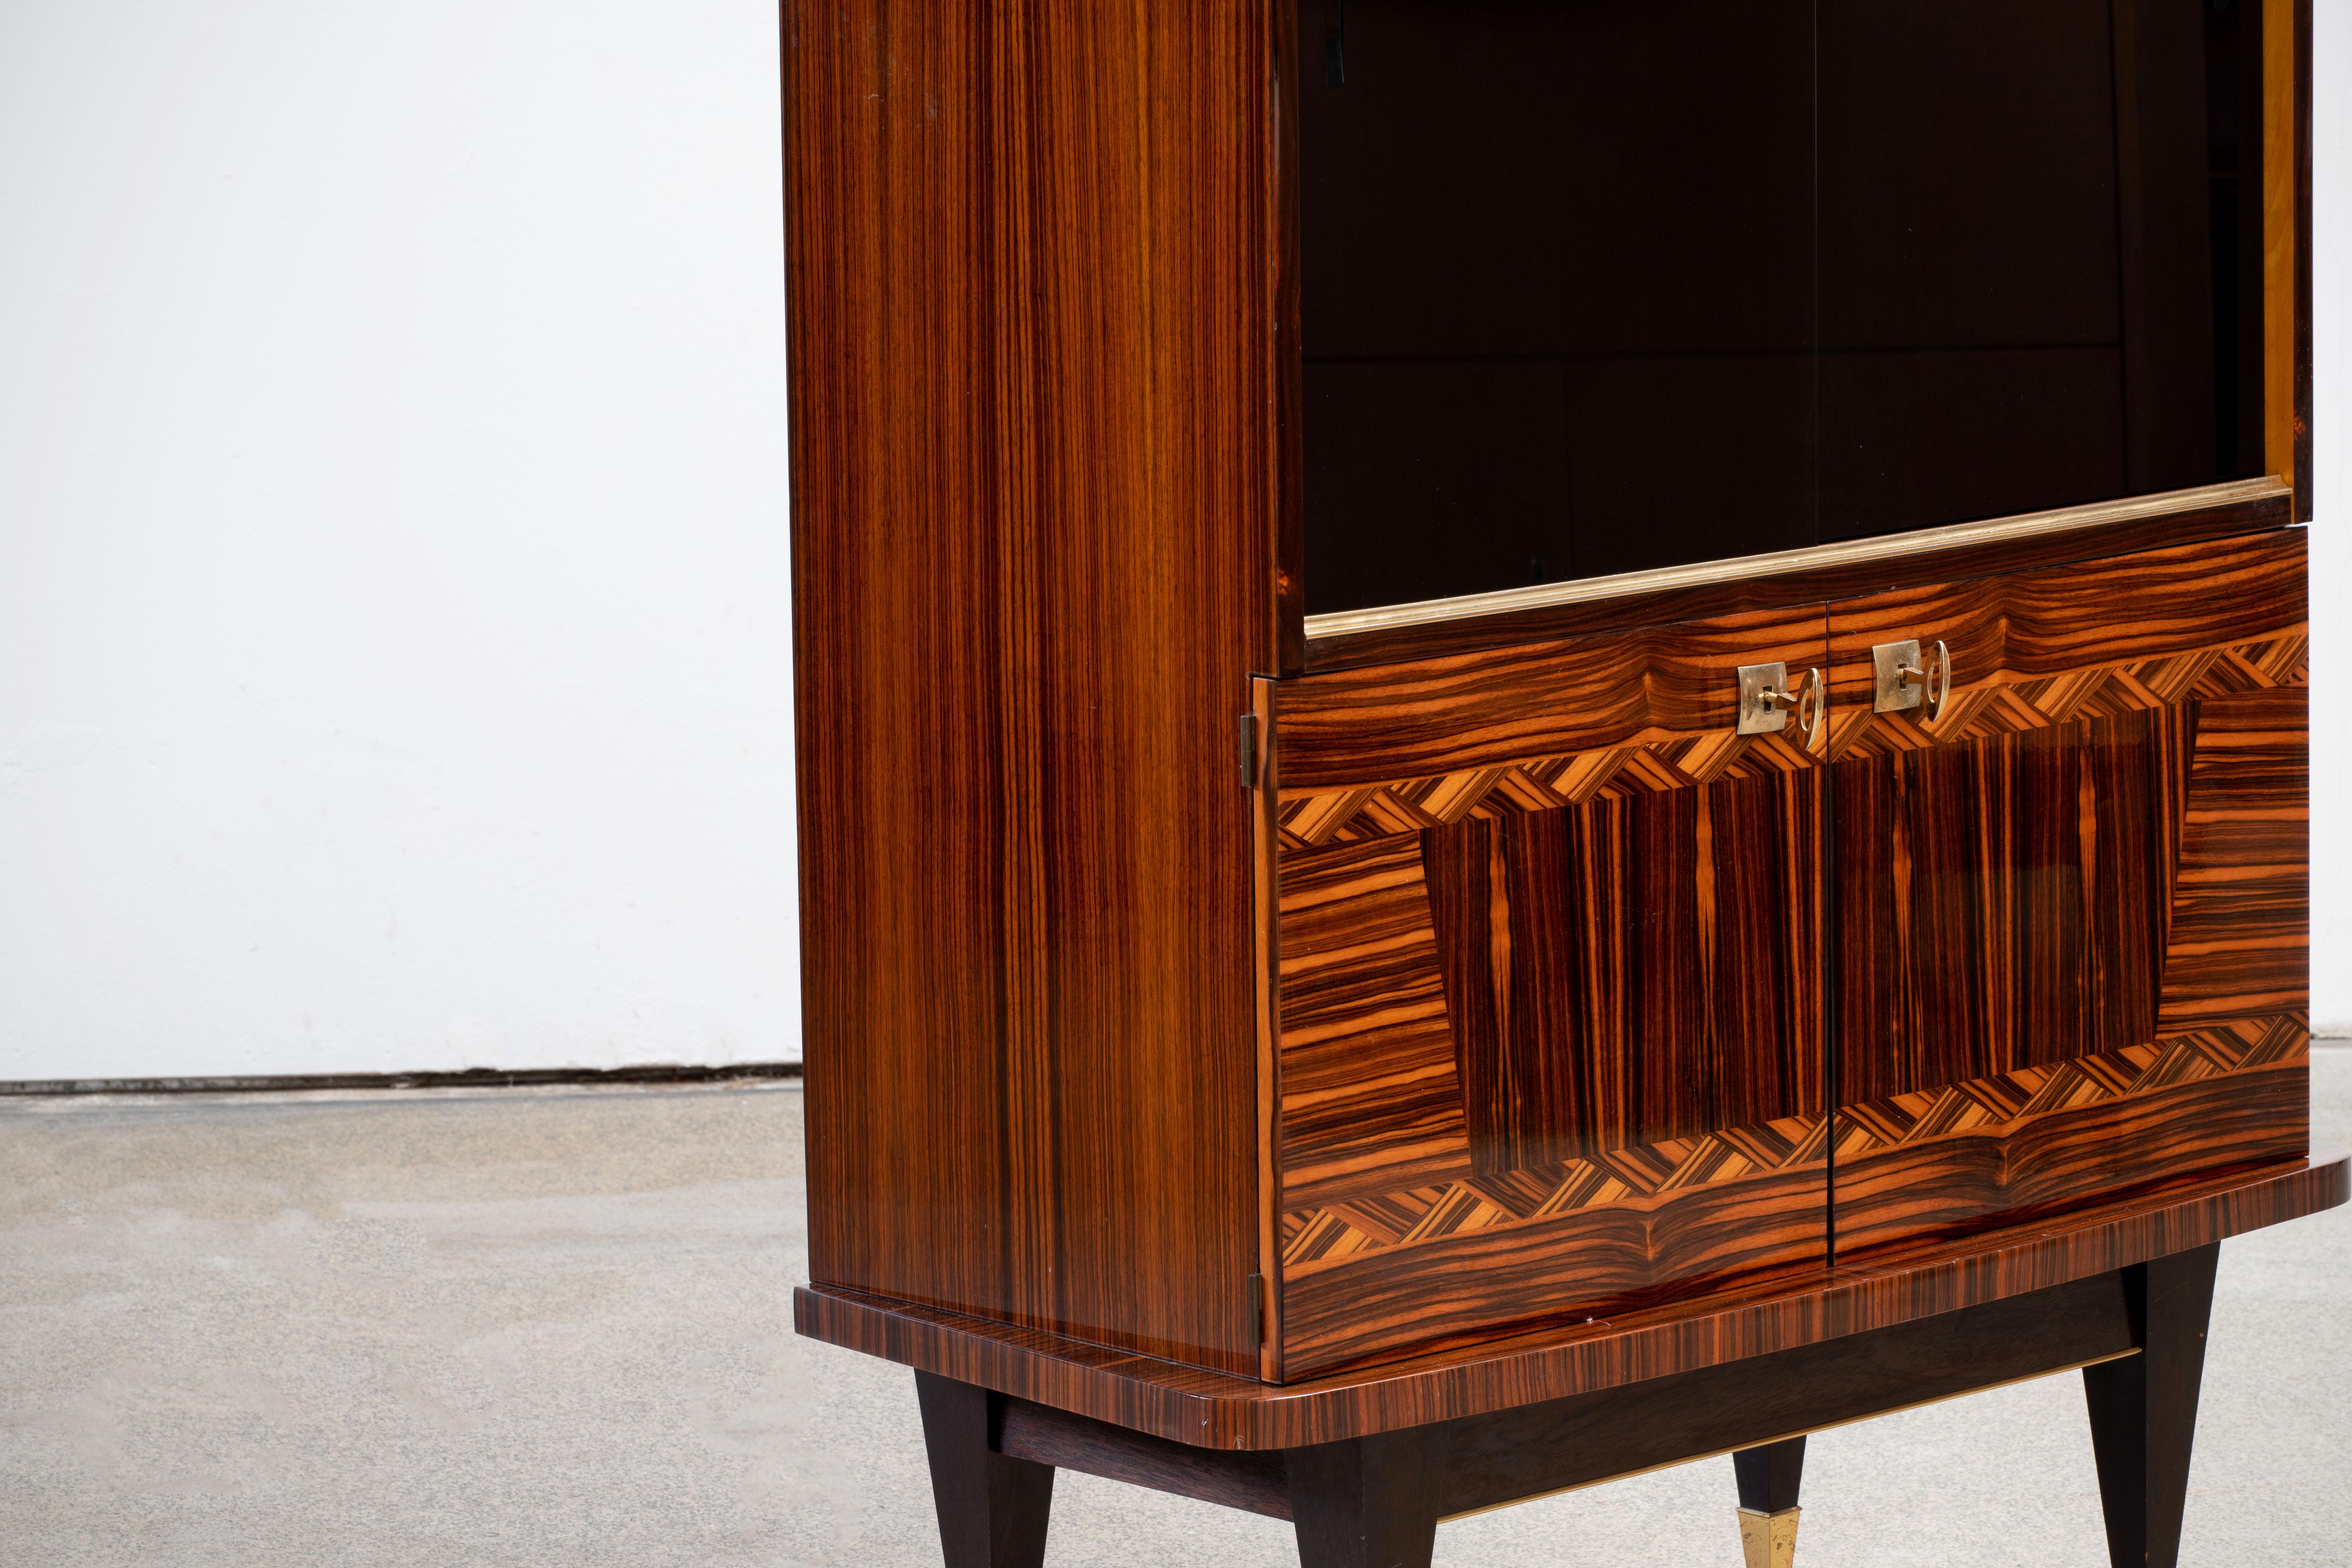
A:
x: 1769, y: 1539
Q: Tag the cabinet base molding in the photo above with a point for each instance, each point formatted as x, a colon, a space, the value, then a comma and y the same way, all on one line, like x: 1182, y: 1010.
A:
x: 1778, y: 1312
x: 1366, y: 1465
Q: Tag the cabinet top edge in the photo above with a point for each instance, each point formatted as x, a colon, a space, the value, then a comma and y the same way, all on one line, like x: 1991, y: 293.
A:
x: 1389, y: 632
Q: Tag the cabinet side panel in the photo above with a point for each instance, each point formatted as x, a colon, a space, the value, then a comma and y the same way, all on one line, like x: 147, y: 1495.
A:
x: 1028, y: 297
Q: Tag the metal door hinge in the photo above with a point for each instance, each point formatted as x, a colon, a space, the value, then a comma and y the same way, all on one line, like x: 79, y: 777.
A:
x: 1249, y: 751
x: 1257, y: 1307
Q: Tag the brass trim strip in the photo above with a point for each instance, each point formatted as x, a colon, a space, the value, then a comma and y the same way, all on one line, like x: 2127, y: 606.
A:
x: 1813, y: 557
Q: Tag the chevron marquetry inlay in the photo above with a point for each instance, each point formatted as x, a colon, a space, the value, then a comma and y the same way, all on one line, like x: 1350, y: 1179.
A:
x: 1540, y: 783
x: 1337, y: 1231
x: 1329, y: 1235
x: 2002, y: 708
x: 1987, y: 1103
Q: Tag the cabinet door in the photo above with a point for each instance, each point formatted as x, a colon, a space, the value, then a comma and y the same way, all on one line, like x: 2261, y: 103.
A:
x: 1548, y: 1019
x: 2070, y: 908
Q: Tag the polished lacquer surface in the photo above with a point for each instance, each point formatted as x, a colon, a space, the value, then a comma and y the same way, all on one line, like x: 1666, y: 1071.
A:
x: 2072, y: 909
x: 1758, y: 1317
x: 1033, y: 569
x: 1586, y: 999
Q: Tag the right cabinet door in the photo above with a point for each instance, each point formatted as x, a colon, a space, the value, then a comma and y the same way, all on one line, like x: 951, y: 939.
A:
x: 2070, y: 896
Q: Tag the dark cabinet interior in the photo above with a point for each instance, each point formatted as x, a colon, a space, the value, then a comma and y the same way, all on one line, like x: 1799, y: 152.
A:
x: 1588, y: 289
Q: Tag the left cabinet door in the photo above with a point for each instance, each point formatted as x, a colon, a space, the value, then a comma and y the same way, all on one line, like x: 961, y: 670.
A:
x: 1549, y: 990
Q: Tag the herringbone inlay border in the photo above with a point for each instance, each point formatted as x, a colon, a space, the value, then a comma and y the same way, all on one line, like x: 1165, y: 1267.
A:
x: 1319, y: 1238
x: 1540, y: 784
x: 1337, y: 1231
x: 2243, y: 1045
x: 2007, y: 707
x: 1543, y: 783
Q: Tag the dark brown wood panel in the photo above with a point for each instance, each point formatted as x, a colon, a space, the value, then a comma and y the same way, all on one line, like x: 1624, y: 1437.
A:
x: 2023, y: 312
x: 1627, y: 1057
x: 1372, y: 1097
x: 1639, y: 967
x: 1045, y: 1435
x: 1994, y: 1171
x: 1033, y: 549
x: 1436, y: 717
x: 2072, y: 904
x: 1504, y: 134
x: 1702, y: 1220
x: 1266, y: 932
x: 1752, y: 1318
x: 2021, y: 628
x: 2000, y: 899
x: 2240, y: 931
x: 2171, y: 328
x: 1487, y: 1460
x: 1487, y: 177
x: 1559, y: 1013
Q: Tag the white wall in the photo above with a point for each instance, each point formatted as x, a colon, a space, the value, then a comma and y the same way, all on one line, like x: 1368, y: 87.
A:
x: 2331, y: 532
x: 394, y: 668
x: 393, y: 657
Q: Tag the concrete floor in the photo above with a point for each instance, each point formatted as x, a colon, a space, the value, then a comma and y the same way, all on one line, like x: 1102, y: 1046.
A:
x: 510, y: 1327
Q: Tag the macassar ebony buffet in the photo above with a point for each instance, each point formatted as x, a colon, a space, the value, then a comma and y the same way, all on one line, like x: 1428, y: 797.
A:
x: 1522, y: 696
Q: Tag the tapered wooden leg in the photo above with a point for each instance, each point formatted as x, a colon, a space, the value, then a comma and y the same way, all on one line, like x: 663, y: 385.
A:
x: 992, y: 1510
x: 1369, y: 1502
x: 1768, y: 1477
x: 2144, y: 1407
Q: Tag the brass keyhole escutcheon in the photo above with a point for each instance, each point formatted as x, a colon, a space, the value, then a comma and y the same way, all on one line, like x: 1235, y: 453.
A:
x: 1766, y: 701
x: 1901, y: 680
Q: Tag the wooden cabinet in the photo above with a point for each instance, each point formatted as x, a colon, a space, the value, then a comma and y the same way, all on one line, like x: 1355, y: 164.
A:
x: 1279, y: 994
x: 1537, y: 739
